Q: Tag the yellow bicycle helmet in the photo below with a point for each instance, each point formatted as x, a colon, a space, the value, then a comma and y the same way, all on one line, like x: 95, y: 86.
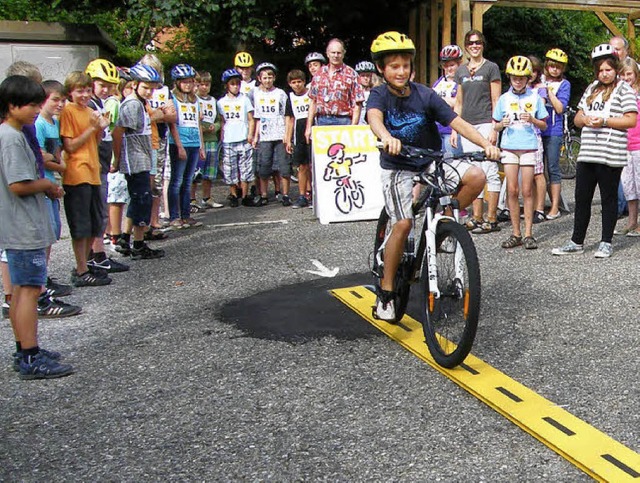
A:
x: 104, y: 70
x: 392, y: 43
x: 557, y: 55
x: 519, y: 66
x: 243, y: 59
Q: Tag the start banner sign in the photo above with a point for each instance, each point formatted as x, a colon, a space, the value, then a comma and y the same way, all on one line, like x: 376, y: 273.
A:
x: 346, y: 174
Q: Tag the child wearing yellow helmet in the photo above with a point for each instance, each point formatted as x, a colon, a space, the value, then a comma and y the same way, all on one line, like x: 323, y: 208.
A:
x: 558, y: 90
x: 520, y: 115
x: 401, y: 112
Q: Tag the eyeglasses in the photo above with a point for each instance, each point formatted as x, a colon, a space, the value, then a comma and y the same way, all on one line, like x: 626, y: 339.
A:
x: 475, y: 42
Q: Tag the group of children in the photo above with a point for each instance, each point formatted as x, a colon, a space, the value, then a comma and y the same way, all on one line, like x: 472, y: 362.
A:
x: 66, y: 141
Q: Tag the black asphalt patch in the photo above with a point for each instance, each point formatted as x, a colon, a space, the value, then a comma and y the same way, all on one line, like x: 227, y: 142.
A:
x: 300, y: 312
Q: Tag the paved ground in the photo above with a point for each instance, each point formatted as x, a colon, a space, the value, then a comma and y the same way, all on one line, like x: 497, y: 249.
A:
x: 227, y: 360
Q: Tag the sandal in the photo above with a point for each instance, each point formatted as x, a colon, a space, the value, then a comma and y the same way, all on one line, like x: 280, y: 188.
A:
x: 530, y: 243
x: 153, y: 235
x: 512, y: 242
x: 472, y: 224
x: 486, y: 227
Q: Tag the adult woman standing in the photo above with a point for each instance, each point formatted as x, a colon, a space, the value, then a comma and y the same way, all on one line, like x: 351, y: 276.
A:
x: 478, y: 92
x: 607, y: 109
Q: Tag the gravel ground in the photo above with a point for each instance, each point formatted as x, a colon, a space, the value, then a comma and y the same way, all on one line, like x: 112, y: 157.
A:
x: 227, y: 360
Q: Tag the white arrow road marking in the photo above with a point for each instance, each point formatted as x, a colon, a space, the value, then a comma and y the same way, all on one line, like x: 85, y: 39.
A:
x: 322, y: 270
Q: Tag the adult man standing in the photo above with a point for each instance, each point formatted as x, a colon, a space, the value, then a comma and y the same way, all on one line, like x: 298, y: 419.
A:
x: 621, y: 46
x: 336, y: 96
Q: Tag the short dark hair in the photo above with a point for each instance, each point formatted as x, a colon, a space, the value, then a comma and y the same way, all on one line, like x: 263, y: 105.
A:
x: 19, y: 91
x: 50, y: 86
x: 296, y: 74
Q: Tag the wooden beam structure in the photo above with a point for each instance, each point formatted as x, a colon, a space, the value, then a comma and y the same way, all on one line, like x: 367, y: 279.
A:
x: 429, y: 24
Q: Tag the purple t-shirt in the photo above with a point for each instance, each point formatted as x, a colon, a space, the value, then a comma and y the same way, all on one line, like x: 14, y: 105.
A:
x: 29, y: 131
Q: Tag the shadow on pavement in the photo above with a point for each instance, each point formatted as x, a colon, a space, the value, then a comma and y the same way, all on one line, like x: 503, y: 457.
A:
x: 300, y: 312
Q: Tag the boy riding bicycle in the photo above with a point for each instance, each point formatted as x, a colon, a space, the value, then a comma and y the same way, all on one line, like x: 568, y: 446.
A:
x: 403, y: 112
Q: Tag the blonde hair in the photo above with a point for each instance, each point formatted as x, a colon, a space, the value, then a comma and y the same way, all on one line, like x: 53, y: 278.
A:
x: 76, y: 79
x: 26, y: 69
x: 632, y: 65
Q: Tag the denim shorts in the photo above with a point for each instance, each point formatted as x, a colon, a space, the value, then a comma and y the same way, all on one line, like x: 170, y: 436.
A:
x: 27, y: 267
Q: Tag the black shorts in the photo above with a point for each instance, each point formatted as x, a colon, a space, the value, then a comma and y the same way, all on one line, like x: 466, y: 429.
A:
x: 139, y: 186
x: 301, y: 154
x: 85, y: 210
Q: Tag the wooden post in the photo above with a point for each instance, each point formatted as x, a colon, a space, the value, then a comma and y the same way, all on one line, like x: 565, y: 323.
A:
x: 479, y: 9
x: 424, y: 50
x: 433, y: 40
x: 413, y: 35
x: 631, y: 37
x: 463, y: 20
x: 446, y: 22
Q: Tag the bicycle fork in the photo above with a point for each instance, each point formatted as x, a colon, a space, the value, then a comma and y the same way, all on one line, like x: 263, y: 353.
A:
x: 433, y: 222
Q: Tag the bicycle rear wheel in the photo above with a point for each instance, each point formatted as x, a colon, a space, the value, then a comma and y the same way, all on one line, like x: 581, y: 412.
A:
x: 401, y: 281
x: 569, y: 157
x: 450, y: 322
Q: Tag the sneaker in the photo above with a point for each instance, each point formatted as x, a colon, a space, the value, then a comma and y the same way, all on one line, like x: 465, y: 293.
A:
x: 109, y: 265
x: 191, y: 222
x: 385, y: 309
x: 208, y: 204
x: 260, y: 201
x: 50, y: 308
x: 569, y: 248
x: 194, y: 207
x: 605, y: 250
x: 503, y: 216
x: 538, y: 217
x: 233, y: 201
x: 55, y: 289
x: 41, y: 367
x: 88, y: 279
x: 301, y: 202
x: 286, y: 201
x: 5, y: 310
x: 17, y: 357
x: 146, y: 253
x: 122, y: 247
x: 278, y: 196
x: 97, y: 272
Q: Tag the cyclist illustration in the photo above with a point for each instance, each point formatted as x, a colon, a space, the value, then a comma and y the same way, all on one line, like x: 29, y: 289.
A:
x: 349, y: 193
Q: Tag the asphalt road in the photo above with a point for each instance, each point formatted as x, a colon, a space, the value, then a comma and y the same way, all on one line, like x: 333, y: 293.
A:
x: 228, y: 361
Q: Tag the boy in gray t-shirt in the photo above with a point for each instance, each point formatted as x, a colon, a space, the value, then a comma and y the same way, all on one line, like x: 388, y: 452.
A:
x: 26, y: 229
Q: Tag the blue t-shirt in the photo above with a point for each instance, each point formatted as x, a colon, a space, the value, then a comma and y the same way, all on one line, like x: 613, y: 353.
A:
x: 49, y: 139
x: 520, y: 134
x: 411, y: 119
x: 562, y: 90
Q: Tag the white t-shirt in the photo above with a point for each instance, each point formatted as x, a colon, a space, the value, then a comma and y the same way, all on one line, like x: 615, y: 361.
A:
x: 235, y: 114
x: 269, y: 108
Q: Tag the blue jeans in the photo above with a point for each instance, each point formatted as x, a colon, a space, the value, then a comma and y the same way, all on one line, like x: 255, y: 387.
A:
x: 551, y: 146
x: 333, y: 120
x: 446, y: 145
x: 27, y: 268
x: 180, y: 181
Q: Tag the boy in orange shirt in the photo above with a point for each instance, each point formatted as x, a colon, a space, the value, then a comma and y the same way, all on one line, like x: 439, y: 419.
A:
x: 81, y: 130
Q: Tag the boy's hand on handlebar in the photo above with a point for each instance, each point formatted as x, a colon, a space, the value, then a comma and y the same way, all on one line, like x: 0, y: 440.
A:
x: 492, y: 152
x: 392, y: 146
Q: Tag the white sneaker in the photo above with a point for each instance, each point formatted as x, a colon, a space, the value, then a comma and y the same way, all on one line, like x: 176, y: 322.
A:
x: 385, y: 311
x: 605, y: 250
x: 569, y: 248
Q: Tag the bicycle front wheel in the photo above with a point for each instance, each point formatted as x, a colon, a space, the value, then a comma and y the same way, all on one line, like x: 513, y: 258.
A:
x: 569, y: 157
x: 401, y: 285
x: 450, y: 321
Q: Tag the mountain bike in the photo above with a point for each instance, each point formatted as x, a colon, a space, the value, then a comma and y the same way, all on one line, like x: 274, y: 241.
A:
x: 443, y: 259
x: 570, y: 145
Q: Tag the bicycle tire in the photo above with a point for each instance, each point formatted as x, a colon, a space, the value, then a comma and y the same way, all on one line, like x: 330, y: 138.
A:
x: 569, y: 157
x: 401, y: 284
x: 450, y: 322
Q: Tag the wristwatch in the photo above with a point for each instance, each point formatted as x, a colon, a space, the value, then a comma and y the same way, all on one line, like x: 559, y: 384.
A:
x: 604, y: 122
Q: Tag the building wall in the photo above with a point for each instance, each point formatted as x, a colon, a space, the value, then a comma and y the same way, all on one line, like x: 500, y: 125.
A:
x: 54, y: 61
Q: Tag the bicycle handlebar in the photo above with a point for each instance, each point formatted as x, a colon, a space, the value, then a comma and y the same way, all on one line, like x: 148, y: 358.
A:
x: 422, y: 154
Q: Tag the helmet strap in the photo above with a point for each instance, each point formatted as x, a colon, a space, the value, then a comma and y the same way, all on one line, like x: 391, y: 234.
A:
x: 402, y: 92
